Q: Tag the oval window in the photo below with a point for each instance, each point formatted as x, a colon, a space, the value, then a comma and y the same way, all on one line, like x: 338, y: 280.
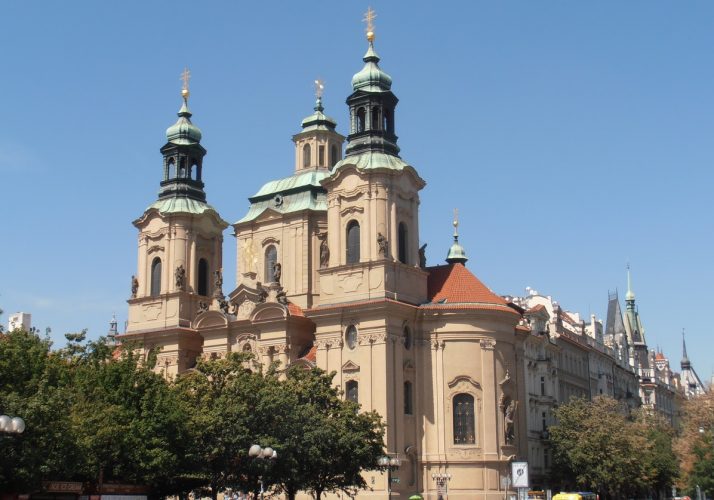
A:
x: 351, y: 336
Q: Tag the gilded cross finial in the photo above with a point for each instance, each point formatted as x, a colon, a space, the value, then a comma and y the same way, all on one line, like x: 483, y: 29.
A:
x: 456, y: 222
x: 185, y: 77
x: 319, y: 87
x: 369, y: 19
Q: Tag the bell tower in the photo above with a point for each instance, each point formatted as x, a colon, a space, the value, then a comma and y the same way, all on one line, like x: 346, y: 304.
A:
x: 373, y: 200
x: 180, y: 250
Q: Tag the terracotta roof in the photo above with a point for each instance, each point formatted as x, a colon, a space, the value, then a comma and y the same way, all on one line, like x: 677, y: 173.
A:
x: 535, y: 309
x: 660, y: 357
x: 311, y: 355
x: 455, y: 287
x: 295, y: 310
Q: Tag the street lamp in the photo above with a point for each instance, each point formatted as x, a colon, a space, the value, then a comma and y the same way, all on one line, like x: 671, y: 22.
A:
x: 10, y: 425
x: 389, y: 464
x: 441, y: 478
x: 258, y: 452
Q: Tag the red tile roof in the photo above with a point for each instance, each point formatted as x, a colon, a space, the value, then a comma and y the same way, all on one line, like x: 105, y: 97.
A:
x: 660, y: 357
x: 311, y: 355
x: 295, y: 310
x: 455, y: 287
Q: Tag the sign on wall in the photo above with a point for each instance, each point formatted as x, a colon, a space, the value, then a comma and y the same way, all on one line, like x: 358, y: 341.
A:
x: 519, y: 474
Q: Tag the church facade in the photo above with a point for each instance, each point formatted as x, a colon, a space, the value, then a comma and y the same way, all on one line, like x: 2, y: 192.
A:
x: 331, y: 273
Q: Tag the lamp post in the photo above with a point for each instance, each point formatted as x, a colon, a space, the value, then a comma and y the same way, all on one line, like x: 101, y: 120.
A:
x: 442, y: 479
x: 389, y: 463
x: 10, y: 425
x: 258, y: 452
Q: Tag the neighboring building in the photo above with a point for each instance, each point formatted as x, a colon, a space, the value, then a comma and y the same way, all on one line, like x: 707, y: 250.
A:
x: 331, y: 274
x: 19, y: 321
x: 563, y: 358
x: 691, y: 383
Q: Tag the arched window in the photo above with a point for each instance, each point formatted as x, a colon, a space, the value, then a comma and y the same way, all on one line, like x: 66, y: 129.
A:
x: 352, y: 391
x: 353, y: 242
x: 407, y: 338
x: 464, y: 423
x: 306, y: 160
x: 171, y: 169
x: 182, y: 168
x: 351, y: 336
x: 387, y: 121
x: 360, y: 120
x: 202, y: 277
x: 402, y: 243
x: 408, y: 400
x: 271, y: 258
x: 333, y: 155
x: 156, y: 277
x: 321, y: 155
x: 375, y: 118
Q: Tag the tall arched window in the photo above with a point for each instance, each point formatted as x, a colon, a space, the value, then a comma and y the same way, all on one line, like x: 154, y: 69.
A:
x: 202, y: 277
x: 333, y: 155
x: 182, y: 167
x: 402, y: 243
x: 156, y: 277
x: 388, y: 126
x: 360, y: 120
x: 408, y: 399
x: 353, y: 242
x: 464, y: 420
x: 271, y: 258
x: 306, y: 160
x: 352, y: 391
x: 375, y: 118
x: 171, y: 169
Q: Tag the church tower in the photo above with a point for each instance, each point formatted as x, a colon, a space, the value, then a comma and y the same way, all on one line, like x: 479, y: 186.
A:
x: 179, y: 259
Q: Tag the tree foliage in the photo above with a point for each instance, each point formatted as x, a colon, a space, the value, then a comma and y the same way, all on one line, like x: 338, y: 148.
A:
x: 695, y: 444
x: 598, y: 446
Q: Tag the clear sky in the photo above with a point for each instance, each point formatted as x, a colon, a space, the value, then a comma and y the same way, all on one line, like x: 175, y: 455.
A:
x: 574, y: 137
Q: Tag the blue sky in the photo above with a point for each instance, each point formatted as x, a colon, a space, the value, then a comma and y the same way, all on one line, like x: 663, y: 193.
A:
x: 574, y: 137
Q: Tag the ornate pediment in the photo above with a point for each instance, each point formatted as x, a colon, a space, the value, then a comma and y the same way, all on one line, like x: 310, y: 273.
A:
x: 268, y: 311
x: 463, y: 379
x: 350, y: 366
x: 210, y: 319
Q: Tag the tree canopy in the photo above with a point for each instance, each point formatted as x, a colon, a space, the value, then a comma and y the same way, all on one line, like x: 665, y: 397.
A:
x: 695, y: 445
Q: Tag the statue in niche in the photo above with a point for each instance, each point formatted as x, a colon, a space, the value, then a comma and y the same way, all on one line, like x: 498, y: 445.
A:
x: 508, y: 421
x: 422, y: 256
x: 180, y: 277
x: 277, y: 272
x: 134, y: 286
x: 202, y: 307
x: 324, y: 252
x: 382, y: 242
x: 217, y: 283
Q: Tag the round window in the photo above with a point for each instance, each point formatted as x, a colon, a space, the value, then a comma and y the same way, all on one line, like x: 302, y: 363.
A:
x: 407, y: 338
x: 351, y: 336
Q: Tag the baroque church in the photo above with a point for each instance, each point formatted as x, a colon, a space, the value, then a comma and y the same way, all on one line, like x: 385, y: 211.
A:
x: 331, y: 274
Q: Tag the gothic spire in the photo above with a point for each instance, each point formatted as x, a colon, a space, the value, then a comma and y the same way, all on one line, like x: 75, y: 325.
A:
x: 686, y: 364
x: 630, y: 295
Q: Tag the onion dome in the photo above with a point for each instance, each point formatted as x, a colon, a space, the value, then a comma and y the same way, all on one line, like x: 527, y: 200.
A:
x: 371, y: 78
x: 457, y: 253
x: 183, y: 131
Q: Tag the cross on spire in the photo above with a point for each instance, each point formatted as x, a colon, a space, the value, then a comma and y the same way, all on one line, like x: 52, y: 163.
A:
x: 185, y: 77
x: 319, y: 87
x: 369, y: 17
x: 456, y: 223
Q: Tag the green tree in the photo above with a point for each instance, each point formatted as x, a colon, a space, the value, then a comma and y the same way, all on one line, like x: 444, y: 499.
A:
x: 695, y: 444
x: 595, y: 448
x: 323, y: 442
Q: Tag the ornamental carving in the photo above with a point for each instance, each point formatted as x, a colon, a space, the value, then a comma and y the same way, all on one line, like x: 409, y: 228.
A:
x: 156, y: 248
x: 438, y: 344
x: 372, y: 338
x: 487, y: 344
x: 329, y: 343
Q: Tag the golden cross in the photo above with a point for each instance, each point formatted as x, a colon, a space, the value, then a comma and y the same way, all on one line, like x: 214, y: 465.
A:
x: 369, y: 19
x: 319, y: 87
x: 185, y: 76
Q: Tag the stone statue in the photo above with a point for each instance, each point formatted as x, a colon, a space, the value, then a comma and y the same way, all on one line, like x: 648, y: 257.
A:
x: 508, y: 421
x: 223, y: 305
x: 382, y: 242
x: 202, y: 307
x: 324, y: 252
x: 277, y: 271
x: 282, y: 297
x: 134, y: 286
x: 217, y: 284
x: 180, y: 277
x: 422, y: 256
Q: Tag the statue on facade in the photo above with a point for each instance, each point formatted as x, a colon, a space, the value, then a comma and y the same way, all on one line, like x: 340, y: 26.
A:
x: 217, y: 283
x: 282, y: 297
x: 180, y: 277
x: 382, y: 242
x: 277, y: 272
x: 134, y: 286
x: 223, y: 305
x: 202, y: 307
x: 324, y: 252
x: 422, y: 256
x: 508, y: 422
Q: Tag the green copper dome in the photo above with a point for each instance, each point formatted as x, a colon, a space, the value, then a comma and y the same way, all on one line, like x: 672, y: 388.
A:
x: 183, y: 131
x: 318, y: 120
x: 371, y: 78
x: 456, y: 253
